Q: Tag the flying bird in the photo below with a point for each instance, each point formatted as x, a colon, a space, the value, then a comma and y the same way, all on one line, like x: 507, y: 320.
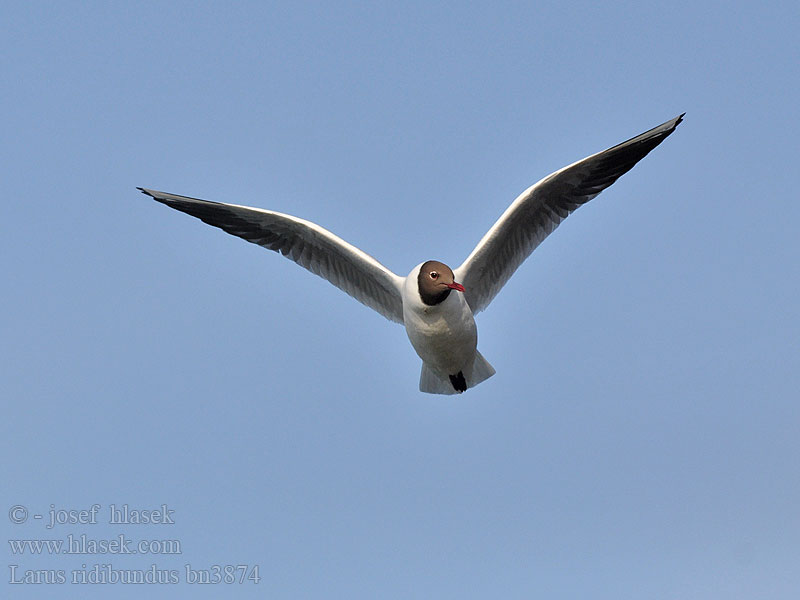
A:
x: 434, y: 302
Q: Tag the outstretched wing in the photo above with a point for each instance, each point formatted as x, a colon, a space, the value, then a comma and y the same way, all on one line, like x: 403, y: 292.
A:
x: 307, y: 244
x: 540, y: 209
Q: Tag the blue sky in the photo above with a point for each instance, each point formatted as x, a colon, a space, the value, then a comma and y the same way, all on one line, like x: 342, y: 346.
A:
x: 640, y: 438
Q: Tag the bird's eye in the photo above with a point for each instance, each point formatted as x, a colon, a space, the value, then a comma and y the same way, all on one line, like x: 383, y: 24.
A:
x: 434, y: 275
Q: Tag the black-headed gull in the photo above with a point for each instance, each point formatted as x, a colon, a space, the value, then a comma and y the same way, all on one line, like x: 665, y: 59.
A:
x: 435, y: 303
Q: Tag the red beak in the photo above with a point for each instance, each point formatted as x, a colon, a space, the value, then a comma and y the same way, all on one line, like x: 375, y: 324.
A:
x: 456, y: 286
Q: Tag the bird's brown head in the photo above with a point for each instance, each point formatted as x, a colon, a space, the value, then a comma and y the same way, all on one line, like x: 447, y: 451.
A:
x: 436, y: 281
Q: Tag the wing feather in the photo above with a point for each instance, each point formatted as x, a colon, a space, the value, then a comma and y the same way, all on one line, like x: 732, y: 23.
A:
x: 541, y: 208
x: 305, y: 243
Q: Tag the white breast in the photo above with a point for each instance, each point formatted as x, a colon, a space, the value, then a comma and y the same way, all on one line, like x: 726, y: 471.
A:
x: 444, y: 336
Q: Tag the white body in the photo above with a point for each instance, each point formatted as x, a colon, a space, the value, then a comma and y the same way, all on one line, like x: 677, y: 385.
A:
x: 444, y: 335
x: 445, y: 338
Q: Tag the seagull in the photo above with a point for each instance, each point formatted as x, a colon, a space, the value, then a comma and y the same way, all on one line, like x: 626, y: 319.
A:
x: 436, y: 304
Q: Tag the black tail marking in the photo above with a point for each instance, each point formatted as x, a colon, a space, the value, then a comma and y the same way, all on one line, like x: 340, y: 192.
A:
x: 458, y: 381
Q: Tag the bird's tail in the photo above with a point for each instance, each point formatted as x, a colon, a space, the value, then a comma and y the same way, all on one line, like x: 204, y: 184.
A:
x: 478, y: 371
x: 481, y: 370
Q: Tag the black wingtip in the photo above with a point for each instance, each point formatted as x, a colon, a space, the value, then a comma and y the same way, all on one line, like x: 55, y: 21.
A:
x: 671, y: 124
x: 146, y: 192
x: 675, y: 122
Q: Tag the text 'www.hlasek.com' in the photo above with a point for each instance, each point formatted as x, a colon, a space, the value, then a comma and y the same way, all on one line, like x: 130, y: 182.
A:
x: 114, y: 559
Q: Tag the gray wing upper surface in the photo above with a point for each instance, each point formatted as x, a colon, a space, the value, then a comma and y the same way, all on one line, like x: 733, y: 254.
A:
x: 307, y: 244
x: 540, y: 209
